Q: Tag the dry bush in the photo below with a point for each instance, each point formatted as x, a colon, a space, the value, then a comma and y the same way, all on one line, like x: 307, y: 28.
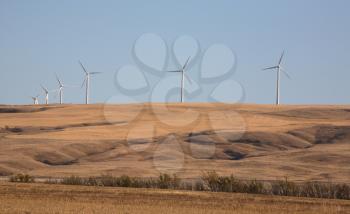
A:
x: 73, y: 180
x: 255, y: 187
x: 107, y: 180
x: 22, y: 178
x: 210, y: 181
x: 166, y: 181
x: 197, y: 185
x: 342, y: 191
x: 216, y: 183
x: 325, y: 190
x: 285, y: 188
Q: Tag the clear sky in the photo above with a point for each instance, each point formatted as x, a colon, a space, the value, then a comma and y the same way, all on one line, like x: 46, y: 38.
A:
x: 40, y: 38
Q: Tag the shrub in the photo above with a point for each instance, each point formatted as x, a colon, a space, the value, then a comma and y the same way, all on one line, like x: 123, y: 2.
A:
x: 318, y: 190
x: 111, y: 181
x: 73, y: 180
x: 166, y: 181
x: 210, y: 181
x: 216, y: 183
x: 108, y: 180
x: 285, y: 188
x: 124, y: 181
x: 198, y: 186
x: 231, y: 184
x: 255, y: 187
x: 22, y: 178
x: 92, y: 181
x: 342, y: 191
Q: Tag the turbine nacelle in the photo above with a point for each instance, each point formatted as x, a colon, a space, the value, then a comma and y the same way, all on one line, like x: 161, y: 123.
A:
x: 279, y: 67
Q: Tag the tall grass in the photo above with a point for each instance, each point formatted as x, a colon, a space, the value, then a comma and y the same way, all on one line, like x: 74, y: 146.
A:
x: 216, y: 183
x: 285, y: 188
x: 164, y: 181
x: 209, y: 181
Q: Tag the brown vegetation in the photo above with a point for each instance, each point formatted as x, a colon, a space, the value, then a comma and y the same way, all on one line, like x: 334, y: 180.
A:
x: 22, y: 178
x: 210, y: 181
x: 41, y: 198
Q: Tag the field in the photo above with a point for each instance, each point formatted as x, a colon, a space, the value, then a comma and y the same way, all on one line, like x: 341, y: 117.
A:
x: 263, y: 142
x: 43, y: 198
x: 260, y: 142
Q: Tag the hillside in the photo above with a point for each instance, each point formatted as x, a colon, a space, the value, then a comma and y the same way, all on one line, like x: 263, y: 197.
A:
x: 251, y: 141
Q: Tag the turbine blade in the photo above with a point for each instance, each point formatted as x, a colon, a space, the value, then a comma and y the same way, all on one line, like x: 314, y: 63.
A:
x: 185, y: 65
x: 280, y: 61
x: 58, y: 79
x: 81, y: 64
x: 95, y: 73
x: 286, y: 73
x: 82, y: 85
x: 45, y: 89
x: 188, y: 78
x: 269, y: 68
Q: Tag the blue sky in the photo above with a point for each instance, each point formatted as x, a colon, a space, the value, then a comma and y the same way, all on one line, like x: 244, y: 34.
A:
x: 40, y: 38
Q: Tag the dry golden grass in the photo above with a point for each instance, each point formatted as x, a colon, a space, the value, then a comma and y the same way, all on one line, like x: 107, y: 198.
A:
x: 300, y: 142
x: 43, y: 198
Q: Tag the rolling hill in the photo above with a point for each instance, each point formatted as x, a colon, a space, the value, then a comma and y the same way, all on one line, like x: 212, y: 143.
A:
x: 250, y: 141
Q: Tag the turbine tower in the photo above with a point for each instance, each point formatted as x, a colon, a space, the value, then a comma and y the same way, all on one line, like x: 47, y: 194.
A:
x: 46, y: 94
x: 87, y: 82
x: 35, y: 100
x: 278, y: 68
x: 183, y: 74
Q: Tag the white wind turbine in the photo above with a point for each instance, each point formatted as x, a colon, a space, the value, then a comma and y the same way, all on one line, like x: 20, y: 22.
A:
x: 278, y: 69
x: 87, y: 82
x: 183, y: 73
x: 35, y: 100
x: 60, y: 88
x: 46, y: 91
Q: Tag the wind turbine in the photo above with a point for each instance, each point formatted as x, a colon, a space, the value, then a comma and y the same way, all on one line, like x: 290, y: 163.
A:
x: 278, y: 68
x: 35, y: 100
x: 46, y: 94
x: 87, y: 82
x: 183, y: 74
x: 60, y: 89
